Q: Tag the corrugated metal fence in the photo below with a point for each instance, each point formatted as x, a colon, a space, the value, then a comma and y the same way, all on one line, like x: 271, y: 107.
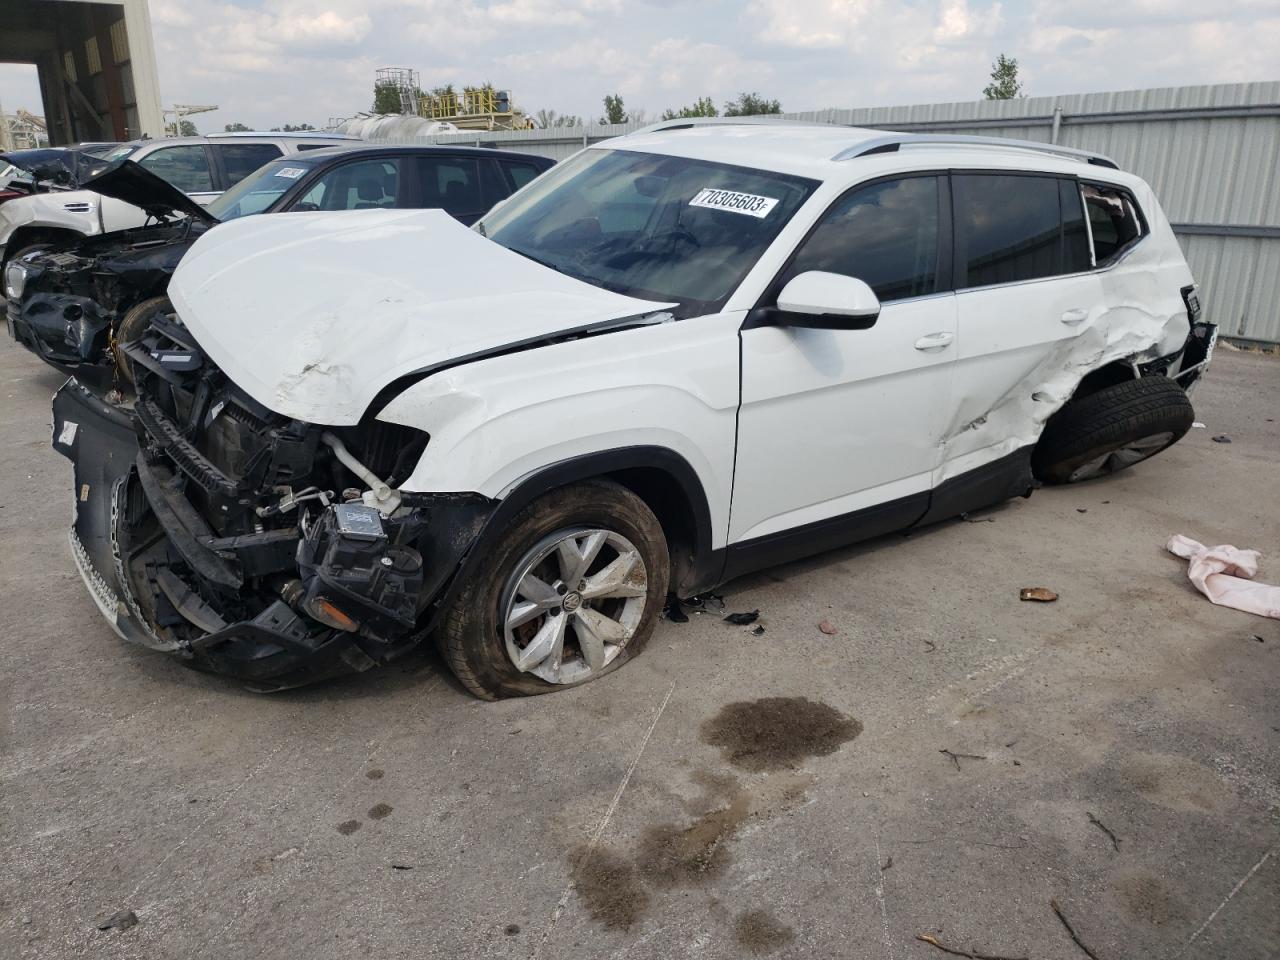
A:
x: 1212, y: 153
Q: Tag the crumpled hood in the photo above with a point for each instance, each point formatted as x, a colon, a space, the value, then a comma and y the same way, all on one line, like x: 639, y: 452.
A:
x: 312, y: 314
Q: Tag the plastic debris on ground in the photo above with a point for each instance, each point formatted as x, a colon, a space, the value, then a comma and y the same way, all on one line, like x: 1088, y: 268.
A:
x: 677, y: 610
x: 742, y: 619
x: 1039, y: 594
x: 1225, y: 575
x: 120, y: 920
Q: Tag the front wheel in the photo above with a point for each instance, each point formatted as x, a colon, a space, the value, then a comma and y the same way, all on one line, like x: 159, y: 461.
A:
x: 133, y: 325
x: 570, y: 592
x: 1112, y: 429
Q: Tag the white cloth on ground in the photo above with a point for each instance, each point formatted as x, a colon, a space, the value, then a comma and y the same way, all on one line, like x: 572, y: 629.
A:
x: 1225, y: 575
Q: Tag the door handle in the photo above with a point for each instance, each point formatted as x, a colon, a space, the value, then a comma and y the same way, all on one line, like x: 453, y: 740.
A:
x: 935, y: 341
x: 1078, y: 315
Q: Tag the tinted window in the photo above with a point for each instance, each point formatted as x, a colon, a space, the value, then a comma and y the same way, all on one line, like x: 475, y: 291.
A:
x: 1113, y: 220
x: 462, y: 186
x: 885, y: 234
x: 241, y: 159
x: 186, y: 167
x: 1008, y: 228
x: 521, y: 173
x: 362, y: 185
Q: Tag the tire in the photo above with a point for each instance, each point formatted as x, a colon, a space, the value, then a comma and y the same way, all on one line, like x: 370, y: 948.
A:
x: 131, y: 326
x: 1112, y: 429
x: 473, y: 636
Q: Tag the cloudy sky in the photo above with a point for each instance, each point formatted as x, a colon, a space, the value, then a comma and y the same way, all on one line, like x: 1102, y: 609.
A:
x: 277, y: 61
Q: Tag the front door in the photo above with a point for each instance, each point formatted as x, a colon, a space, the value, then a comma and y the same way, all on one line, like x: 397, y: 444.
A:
x: 837, y: 423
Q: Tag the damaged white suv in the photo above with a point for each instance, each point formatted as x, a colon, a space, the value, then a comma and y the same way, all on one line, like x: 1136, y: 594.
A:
x: 677, y: 357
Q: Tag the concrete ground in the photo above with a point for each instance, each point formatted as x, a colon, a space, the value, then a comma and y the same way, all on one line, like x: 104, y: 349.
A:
x: 727, y: 794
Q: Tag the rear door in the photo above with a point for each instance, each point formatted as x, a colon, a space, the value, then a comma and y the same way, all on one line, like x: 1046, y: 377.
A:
x: 518, y: 173
x: 235, y: 160
x: 836, y: 423
x: 463, y: 186
x: 1024, y: 290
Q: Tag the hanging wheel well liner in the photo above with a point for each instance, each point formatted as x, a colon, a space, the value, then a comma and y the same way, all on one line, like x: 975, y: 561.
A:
x: 26, y: 236
x: 661, y: 477
x: 1109, y: 375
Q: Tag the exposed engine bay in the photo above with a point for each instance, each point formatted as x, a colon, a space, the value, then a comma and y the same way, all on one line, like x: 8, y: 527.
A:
x: 259, y: 546
x: 75, y: 295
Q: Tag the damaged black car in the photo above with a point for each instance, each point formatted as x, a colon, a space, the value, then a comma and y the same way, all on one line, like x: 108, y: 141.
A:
x: 75, y: 303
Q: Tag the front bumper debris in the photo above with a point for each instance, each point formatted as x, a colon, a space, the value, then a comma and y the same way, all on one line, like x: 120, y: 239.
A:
x: 352, y: 590
x: 99, y: 440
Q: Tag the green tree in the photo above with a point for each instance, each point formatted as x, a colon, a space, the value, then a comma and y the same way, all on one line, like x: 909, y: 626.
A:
x: 1004, y: 84
x: 386, y: 98
x: 235, y: 128
x: 187, y: 129
x: 293, y: 128
x: 751, y: 105
x: 549, y: 118
x: 614, y: 109
x: 702, y: 107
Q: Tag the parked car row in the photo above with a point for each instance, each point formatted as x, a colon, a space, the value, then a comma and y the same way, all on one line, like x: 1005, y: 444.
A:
x: 674, y: 358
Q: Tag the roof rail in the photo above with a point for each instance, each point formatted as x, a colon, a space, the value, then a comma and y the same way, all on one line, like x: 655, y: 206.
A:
x: 683, y: 123
x: 890, y: 142
x: 293, y: 134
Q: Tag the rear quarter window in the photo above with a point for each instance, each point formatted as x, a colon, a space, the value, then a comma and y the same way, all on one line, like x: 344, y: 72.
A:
x: 1115, y: 223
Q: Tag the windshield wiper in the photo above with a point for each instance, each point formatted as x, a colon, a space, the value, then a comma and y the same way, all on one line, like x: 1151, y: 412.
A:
x: 545, y: 263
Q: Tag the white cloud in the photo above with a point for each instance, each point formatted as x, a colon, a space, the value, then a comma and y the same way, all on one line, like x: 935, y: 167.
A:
x: 268, y: 62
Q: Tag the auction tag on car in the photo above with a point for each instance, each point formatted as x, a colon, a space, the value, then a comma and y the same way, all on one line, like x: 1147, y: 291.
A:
x: 293, y: 173
x: 748, y: 203
x: 68, y: 434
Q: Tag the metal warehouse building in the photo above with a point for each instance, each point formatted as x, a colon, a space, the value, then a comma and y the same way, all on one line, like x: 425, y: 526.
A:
x: 1212, y: 153
x: 97, y: 65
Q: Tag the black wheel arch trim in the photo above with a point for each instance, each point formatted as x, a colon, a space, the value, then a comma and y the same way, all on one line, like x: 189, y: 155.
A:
x: 705, y: 564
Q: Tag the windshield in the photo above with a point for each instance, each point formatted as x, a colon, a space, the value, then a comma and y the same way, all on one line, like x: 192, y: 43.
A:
x: 650, y: 226
x: 258, y: 191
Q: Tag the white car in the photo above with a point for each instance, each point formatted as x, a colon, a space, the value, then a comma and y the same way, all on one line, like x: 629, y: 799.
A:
x: 674, y: 358
x: 201, y: 167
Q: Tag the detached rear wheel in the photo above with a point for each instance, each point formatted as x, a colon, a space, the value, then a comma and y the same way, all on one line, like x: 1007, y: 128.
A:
x: 571, y: 592
x: 1112, y: 429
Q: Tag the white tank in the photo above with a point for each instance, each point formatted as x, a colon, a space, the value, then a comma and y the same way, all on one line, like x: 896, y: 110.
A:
x: 393, y: 127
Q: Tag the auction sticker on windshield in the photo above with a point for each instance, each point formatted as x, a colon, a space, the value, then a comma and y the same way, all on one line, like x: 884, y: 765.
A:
x: 734, y: 202
x: 293, y: 173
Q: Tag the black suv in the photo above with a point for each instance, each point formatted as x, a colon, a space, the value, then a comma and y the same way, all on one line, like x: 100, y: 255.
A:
x: 72, y: 303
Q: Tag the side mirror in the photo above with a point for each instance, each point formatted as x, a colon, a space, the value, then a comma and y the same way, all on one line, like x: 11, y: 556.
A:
x: 828, y: 301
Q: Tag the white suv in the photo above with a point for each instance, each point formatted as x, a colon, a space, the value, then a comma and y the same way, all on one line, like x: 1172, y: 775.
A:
x: 201, y: 167
x: 676, y: 357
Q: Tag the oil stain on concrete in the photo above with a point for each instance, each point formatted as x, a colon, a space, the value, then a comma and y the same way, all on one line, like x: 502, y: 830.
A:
x: 610, y: 887
x: 776, y: 733
x: 759, y: 932
x: 770, y: 736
